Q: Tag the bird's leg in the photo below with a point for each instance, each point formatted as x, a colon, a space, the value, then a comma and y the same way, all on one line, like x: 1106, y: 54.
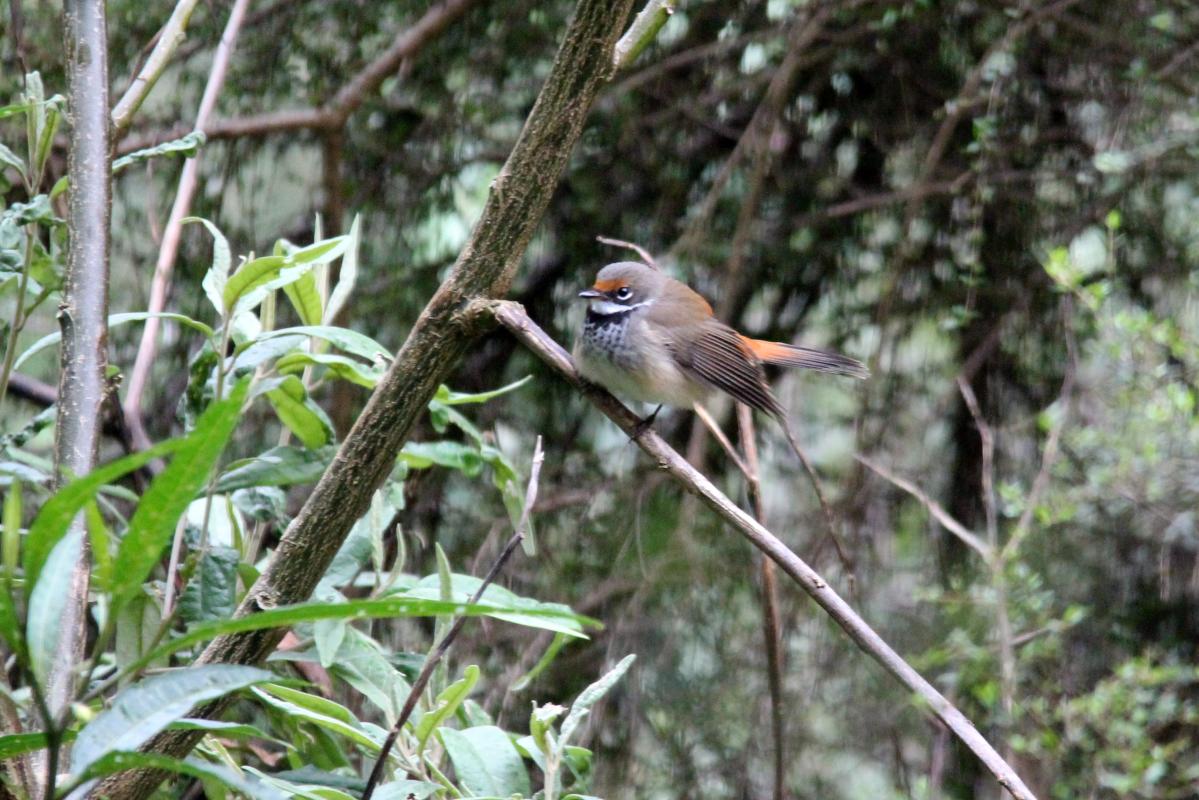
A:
x: 645, y: 424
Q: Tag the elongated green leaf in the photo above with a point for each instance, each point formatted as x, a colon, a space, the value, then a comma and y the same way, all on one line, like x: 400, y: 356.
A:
x: 14, y: 744
x: 546, y: 659
x: 305, y: 297
x: 406, y: 789
x: 590, y: 696
x: 350, y: 728
x: 193, y: 767
x: 454, y: 455
x: 279, y: 466
x: 218, y: 274
x: 348, y: 273
x: 51, y: 523
x: 210, y: 592
x: 362, y: 663
x: 445, y: 705
x: 48, y: 601
x: 320, y: 252
x: 153, y: 524
x: 257, y: 272
x: 486, y: 761
x: 286, y: 616
x: 10, y: 543
x: 185, y: 147
x: 296, y: 410
x: 233, y: 729
x: 347, y: 369
x: 452, y: 398
x: 464, y: 587
x: 114, y: 321
x: 150, y: 705
x: 352, y: 342
x: 10, y: 159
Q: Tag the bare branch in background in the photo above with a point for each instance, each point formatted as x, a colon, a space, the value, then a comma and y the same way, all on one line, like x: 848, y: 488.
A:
x: 332, y: 115
x: 513, y: 317
x: 636, y: 248
x: 160, y: 284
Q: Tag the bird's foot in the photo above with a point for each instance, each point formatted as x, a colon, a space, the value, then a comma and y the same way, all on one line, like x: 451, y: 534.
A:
x: 645, y: 424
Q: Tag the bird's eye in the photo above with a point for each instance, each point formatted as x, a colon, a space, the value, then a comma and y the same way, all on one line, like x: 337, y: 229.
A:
x: 624, y: 293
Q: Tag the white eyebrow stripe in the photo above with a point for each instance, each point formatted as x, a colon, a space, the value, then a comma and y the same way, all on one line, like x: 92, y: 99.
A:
x: 606, y: 307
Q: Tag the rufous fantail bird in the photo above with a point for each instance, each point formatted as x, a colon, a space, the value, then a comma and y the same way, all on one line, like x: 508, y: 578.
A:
x: 650, y: 338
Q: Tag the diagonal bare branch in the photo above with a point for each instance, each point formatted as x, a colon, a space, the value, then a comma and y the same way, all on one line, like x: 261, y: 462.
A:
x: 513, y: 317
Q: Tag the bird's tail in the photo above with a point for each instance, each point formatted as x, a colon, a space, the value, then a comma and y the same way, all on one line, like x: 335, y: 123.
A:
x: 792, y: 355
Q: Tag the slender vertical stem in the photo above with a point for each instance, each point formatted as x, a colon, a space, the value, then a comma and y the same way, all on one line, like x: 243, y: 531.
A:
x: 83, y: 317
x: 772, y: 625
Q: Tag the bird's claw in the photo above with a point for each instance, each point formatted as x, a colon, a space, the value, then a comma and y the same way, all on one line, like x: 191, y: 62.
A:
x: 644, y: 425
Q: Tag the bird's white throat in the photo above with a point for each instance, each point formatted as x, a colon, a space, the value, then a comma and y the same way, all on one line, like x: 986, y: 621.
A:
x: 606, y: 307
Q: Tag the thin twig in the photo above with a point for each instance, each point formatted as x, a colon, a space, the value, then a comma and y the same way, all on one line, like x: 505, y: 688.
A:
x: 513, y: 317
x: 772, y: 626
x: 642, y: 32
x: 988, y: 465
x: 729, y: 450
x: 937, y: 511
x: 1049, y: 455
x: 638, y: 249
x: 168, y: 41
x: 426, y: 672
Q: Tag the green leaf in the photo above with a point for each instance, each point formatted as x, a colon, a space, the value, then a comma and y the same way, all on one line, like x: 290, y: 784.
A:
x: 10, y: 159
x: 590, y: 696
x: 405, y: 789
x: 249, y: 276
x: 296, y: 410
x: 445, y: 453
x: 445, y: 705
x: 286, y: 616
x: 210, y: 593
x: 51, y: 523
x: 114, y: 321
x: 218, y: 274
x: 452, y: 398
x: 541, y: 723
x: 15, y: 744
x: 305, y: 297
x: 153, y: 524
x: 137, y: 623
x: 362, y: 663
x: 352, y: 342
x: 518, y: 610
x: 184, y: 147
x: 145, y: 708
x: 194, y: 767
x: 47, y: 603
x: 347, y: 369
x: 279, y: 466
x: 486, y: 761
x: 546, y: 659
x: 320, y: 712
x: 348, y: 273
x: 10, y: 544
x: 236, y: 729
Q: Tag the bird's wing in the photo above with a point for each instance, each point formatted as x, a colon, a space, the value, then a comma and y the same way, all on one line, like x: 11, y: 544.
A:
x: 715, y: 354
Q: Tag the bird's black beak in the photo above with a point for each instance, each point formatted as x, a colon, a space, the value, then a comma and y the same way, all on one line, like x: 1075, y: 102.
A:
x: 590, y: 294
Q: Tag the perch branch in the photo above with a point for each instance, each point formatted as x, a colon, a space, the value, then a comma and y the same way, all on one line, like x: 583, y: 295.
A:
x: 513, y: 317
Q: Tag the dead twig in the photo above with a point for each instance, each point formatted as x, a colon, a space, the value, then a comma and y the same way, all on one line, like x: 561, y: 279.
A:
x: 426, y: 672
x: 636, y: 248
